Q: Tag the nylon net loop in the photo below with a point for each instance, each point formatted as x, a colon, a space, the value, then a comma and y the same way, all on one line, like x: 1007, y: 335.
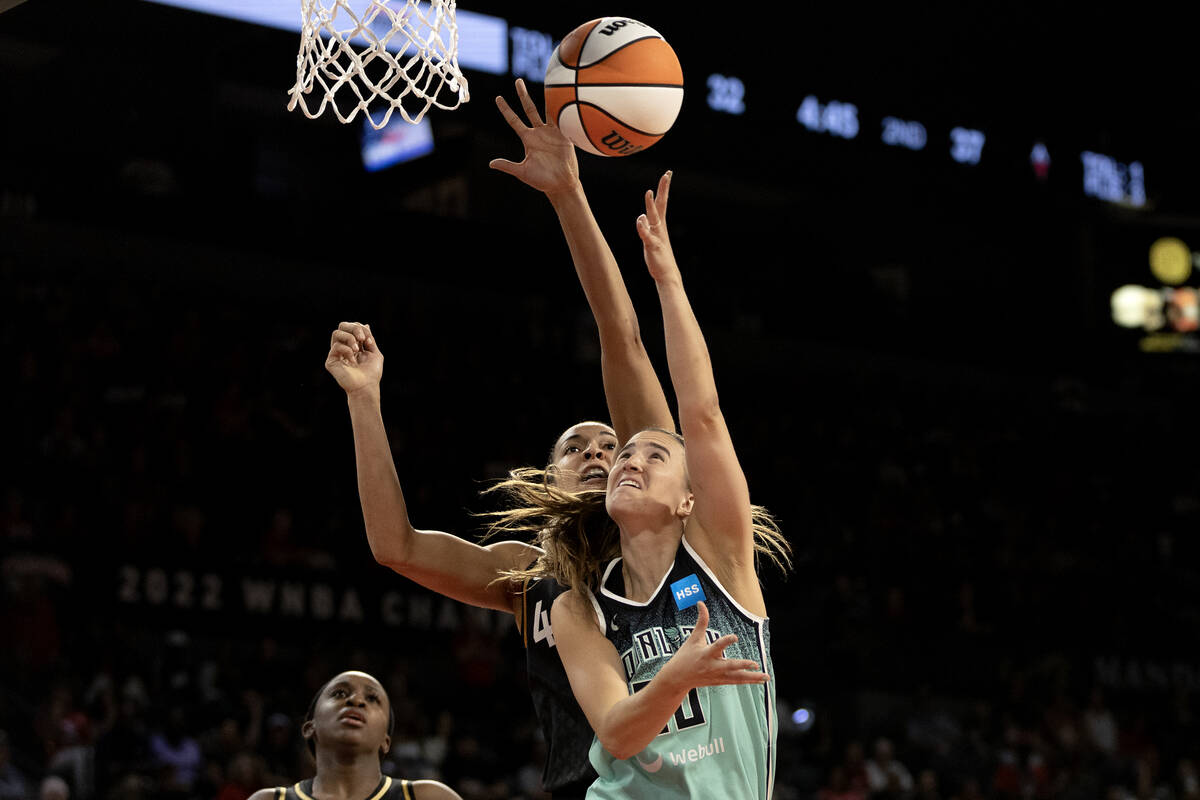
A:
x: 396, y: 55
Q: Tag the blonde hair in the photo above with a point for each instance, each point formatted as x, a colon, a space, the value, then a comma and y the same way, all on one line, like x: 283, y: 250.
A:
x: 573, y: 529
x: 578, y: 537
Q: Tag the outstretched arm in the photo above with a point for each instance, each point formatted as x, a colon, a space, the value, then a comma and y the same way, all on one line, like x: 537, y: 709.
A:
x: 439, y: 561
x: 721, y: 526
x: 635, y: 396
x: 625, y: 723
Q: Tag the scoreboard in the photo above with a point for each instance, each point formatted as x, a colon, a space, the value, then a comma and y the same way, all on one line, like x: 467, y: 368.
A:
x: 781, y: 82
x: 920, y: 170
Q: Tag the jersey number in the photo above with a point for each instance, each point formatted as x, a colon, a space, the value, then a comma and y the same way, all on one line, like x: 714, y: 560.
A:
x: 689, y: 714
x: 541, y: 625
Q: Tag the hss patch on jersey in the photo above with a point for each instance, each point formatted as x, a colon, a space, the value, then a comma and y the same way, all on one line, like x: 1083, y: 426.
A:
x: 687, y: 592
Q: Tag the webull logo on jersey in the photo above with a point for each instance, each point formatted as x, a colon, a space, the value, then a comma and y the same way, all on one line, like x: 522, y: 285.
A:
x: 687, y: 592
x: 693, y: 754
x: 682, y: 758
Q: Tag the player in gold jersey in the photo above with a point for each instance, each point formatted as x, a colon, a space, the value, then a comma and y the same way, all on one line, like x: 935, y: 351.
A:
x: 348, y: 729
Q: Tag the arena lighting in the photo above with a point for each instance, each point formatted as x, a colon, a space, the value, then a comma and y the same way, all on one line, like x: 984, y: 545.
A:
x: 1170, y: 260
x: 803, y: 719
x: 1137, y: 307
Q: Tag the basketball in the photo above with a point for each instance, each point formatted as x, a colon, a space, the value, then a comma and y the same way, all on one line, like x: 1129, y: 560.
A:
x: 613, y: 86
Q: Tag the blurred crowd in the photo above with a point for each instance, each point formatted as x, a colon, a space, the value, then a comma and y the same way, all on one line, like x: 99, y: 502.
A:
x: 986, y: 564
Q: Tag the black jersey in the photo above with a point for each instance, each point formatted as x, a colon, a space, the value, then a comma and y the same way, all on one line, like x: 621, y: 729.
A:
x: 388, y: 789
x: 568, y: 734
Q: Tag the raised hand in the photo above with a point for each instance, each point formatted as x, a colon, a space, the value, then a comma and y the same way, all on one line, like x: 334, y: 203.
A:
x: 549, y: 164
x: 652, y: 228
x: 698, y: 663
x: 354, y: 359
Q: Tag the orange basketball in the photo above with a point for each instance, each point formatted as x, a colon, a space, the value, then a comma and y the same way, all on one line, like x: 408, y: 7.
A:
x: 613, y: 86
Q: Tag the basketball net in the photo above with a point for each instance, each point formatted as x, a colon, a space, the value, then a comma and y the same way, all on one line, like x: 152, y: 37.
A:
x: 397, y: 51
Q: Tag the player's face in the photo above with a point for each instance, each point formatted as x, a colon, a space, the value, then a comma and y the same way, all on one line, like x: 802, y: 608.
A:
x: 583, y: 456
x: 352, y: 712
x: 649, y: 475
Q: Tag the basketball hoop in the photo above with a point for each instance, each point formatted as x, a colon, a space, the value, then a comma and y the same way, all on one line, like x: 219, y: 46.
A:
x: 401, y: 52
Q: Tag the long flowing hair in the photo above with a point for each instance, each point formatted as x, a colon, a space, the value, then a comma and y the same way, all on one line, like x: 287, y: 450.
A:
x: 578, y: 537
x: 573, y: 529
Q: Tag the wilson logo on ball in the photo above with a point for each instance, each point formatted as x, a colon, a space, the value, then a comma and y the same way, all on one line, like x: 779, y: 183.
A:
x: 619, y: 144
x: 613, y: 27
x: 614, y: 86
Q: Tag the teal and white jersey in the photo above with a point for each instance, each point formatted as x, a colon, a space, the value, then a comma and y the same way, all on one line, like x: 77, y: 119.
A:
x: 721, y: 741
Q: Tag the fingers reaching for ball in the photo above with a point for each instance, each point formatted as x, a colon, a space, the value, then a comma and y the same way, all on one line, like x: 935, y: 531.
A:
x: 652, y: 229
x: 549, y: 162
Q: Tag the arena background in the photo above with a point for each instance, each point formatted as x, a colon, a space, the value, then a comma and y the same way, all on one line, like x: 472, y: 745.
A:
x: 992, y: 488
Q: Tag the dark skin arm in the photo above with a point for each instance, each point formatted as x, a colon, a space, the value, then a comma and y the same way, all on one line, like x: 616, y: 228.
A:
x: 443, y: 562
x: 631, y: 386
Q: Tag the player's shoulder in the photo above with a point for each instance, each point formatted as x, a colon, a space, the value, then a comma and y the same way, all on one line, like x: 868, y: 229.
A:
x: 269, y: 794
x: 430, y: 790
x: 571, y: 598
x: 575, y: 607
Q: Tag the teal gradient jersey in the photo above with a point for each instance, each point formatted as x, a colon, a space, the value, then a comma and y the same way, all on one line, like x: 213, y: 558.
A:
x: 721, y: 741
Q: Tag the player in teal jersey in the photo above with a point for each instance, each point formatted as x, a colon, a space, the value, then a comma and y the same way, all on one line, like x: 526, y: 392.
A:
x: 348, y: 729
x: 668, y: 652
x: 580, y: 458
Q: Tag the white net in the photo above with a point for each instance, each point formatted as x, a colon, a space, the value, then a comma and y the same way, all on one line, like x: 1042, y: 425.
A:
x: 394, y: 55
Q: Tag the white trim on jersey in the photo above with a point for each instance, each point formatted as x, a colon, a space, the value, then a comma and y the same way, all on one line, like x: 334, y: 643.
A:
x: 599, y: 611
x: 759, y: 622
x: 604, y: 586
x: 724, y: 591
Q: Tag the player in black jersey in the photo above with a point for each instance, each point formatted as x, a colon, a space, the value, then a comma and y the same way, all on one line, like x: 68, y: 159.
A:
x: 348, y: 729
x: 565, y: 728
x: 673, y: 716
x: 580, y: 459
